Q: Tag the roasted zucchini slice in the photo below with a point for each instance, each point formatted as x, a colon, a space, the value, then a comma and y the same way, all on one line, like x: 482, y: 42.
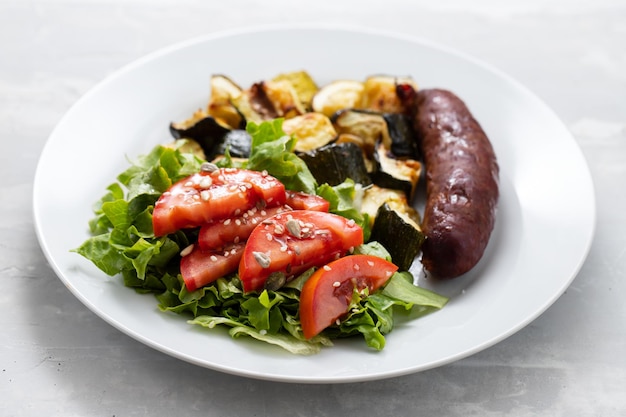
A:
x: 402, y: 137
x: 395, y: 173
x: 333, y: 164
x: 369, y: 126
x: 338, y: 95
x: 212, y: 136
x: 302, y: 83
x: 375, y: 196
x: 220, y: 107
x: 312, y: 130
x: 399, y: 234
x: 380, y: 94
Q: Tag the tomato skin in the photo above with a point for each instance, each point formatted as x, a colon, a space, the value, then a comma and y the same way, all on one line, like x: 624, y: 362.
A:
x: 200, y: 267
x: 207, y: 196
x: 322, y: 238
x: 302, y: 201
x: 326, y: 295
x: 216, y: 234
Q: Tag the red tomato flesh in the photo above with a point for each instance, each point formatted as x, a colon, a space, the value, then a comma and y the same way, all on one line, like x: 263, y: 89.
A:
x: 207, y: 196
x: 200, y: 267
x: 302, y: 201
x: 290, y: 243
x: 326, y: 295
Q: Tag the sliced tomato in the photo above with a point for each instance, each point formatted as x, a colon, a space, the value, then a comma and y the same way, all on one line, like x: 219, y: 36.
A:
x: 326, y: 295
x: 200, y: 267
x: 204, y: 197
x: 290, y: 243
x: 216, y: 234
x: 303, y: 201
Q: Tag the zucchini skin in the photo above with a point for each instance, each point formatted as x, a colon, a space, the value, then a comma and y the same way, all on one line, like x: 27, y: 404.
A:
x: 462, y: 176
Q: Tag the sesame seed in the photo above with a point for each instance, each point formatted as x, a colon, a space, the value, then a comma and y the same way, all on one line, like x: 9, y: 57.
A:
x: 337, y: 322
x: 356, y: 267
x: 206, y: 182
x: 350, y: 223
x: 189, y: 184
x: 262, y: 332
x: 237, y: 212
x: 388, y: 274
x: 283, y: 249
x: 327, y: 268
x: 370, y: 263
x: 336, y: 284
x: 205, y: 195
x: 238, y: 222
x: 236, y: 239
x: 213, y: 258
x: 269, y: 237
x: 187, y: 250
x: 196, y: 197
x: 226, y: 254
x: 226, y: 222
x: 264, y: 173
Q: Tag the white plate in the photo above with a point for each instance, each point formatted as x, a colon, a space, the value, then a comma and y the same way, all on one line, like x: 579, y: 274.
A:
x: 543, y: 232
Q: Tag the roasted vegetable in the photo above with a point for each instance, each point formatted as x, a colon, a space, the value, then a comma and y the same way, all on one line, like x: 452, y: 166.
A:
x: 389, y: 225
x: 212, y: 136
x: 304, y: 86
x: 380, y: 94
x: 403, y: 141
x: 369, y: 126
x: 395, y: 173
x: 375, y: 196
x: 268, y: 100
x: 334, y: 163
x: 220, y: 107
x: 338, y: 95
x: 313, y: 130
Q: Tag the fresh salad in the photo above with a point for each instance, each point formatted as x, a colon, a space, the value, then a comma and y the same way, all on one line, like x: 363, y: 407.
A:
x: 262, y: 240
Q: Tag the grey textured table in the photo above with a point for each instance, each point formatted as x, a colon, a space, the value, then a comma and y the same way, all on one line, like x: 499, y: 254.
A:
x: 59, y: 359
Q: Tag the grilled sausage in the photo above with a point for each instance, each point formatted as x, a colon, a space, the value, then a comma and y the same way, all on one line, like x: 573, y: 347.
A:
x: 461, y: 184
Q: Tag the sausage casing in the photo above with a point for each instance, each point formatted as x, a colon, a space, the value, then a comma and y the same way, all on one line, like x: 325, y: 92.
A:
x: 462, y: 176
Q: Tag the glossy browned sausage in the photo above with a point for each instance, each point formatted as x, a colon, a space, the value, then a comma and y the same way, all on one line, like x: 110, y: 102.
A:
x: 461, y: 184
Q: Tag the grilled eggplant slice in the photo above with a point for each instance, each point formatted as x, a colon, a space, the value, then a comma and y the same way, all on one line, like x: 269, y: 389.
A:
x: 333, y: 164
x: 338, y: 95
x: 395, y: 173
x: 313, y: 130
x: 391, y: 224
x: 380, y: 94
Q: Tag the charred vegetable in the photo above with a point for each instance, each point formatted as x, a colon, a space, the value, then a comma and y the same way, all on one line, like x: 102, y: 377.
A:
x: 367, y: 125
x: 395, y: 173
x: 304, y: 86
x: 212, y: 136
x: 220, y: 107
x: 389, y: 225
x: 380, y: 93
x: 403, y: 141
x: 340, y: 94
x: 334, y: 163
x: 312, y: 130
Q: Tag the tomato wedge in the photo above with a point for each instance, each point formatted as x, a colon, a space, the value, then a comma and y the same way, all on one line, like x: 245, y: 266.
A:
x: 302, y: 201
x: 207, y: 196
x: 218, y: 233
x: 200, y: 267
x: 290, y: 243
x: 326, y: 295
